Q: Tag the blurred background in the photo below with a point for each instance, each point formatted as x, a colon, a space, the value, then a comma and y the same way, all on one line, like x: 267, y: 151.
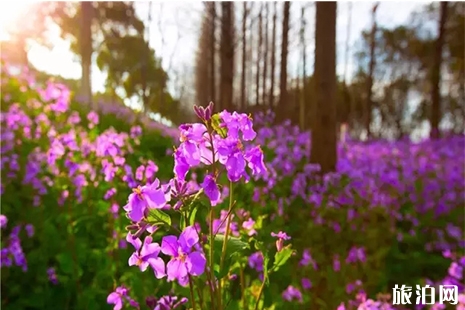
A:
x: 399, y: 65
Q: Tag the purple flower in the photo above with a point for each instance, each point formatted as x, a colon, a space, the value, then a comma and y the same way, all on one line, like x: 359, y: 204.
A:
x: 116, y: 297
x: 256, y: 261
x: 29, y: 230
x: 211, y: 189
x: 306, y: 283
x: 248, y: 226
x: 3, y: 221
x: 148, y: 196
x: 52, y: 275
x: 140, y: 173
x: 146, y: 254
x: 181, y: 167
x: 230, y: 155
x: 308, y: 259
x: 281, y: 237
x: 169, y: 303
x: 93, y: 118
x: 292, y: 293
x: 236, y: 122
x: 150, y: 170
x: 456, y: 271
x: 219, y: 225
x: 255, y: 161
x: 184, y: 259
x: 336, y: 263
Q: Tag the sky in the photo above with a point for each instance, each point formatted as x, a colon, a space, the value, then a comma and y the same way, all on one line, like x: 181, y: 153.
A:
x: 175, y: 26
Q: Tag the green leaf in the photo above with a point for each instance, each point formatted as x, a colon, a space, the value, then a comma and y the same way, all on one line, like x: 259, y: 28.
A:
x: 281, y: 258
x: 158, y: 217
x: 66, y: 263
x: 182, y: 221
x: 266, y: 262
x: 234, y: 245
x: 216, y: 122
x: 192, y: 215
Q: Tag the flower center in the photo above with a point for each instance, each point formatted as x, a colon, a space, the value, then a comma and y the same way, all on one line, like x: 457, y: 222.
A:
x: 137, y: 191
x: 183, y: 137
x: 182, y: 256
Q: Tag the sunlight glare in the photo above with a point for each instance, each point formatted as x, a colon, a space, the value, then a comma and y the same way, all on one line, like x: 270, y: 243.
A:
x: 10, y: 12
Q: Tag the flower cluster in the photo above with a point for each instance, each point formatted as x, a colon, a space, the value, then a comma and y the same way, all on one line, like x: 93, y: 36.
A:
x: 219, y: 145
x: 218, y: 140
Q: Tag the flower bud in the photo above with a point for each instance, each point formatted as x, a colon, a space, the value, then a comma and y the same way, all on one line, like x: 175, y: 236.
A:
x: 200, y: 112
x: 151, y: 302
x: 279, y: 244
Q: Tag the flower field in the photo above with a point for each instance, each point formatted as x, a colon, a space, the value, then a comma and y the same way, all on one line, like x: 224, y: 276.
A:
x: 106, y: 209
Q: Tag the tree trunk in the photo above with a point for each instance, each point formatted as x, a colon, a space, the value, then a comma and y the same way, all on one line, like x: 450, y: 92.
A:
x: 244, y: 56
x: 283, y: 77
x: 87, y: 11
x: 259, y: 55
x: 436, y: 75
x: 324, y: 136
x: 204, y: 83
x: 227, y: 55
x: 146, y: 60
x: 273, y: 58
x: 250, y: 58
x: 212, y: 56
x: 265, y: 56
x: 369, y: 101
x: 302, y: 101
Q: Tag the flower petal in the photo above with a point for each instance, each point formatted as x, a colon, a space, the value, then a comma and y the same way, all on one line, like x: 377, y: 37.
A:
x: 188, y: 238
x: 211, y: 189
x: 169, y: 246
x: 136, y: 208
x: 149, y: 249
x: 195, y: 263
x: 143, y: 266
x: 175, y: 269
x: 133, y: 260
x: 113, y: 298
x: 158, y: 266
x: 136, y: 243
x: 155, y: 198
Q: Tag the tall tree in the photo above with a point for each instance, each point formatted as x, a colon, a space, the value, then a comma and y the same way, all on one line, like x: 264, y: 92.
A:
x: 259, y: 55
x: 304, y: 73
x: 227, y: 54
x: 244, y: 56
x: 284, y: 52
x: 89, y: 26
x: 436, y: 74
x: 273, y: 57
x: 213, y: 54
x: 346, y: 94
x: 203, y: 65
x: 250, y: 54
x: 87, y: 12
x: 323, y: 133
x: 265, y: 54
x: 371, y: 68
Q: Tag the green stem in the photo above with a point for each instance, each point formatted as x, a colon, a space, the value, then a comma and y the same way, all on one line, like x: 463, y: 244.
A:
x: 244, y: 305
x: 226, y: 235
x: 212, y: 263
x: 191, y: 287
x: 261, y: 291
x: 199, y: 292
x: 228, y: 224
